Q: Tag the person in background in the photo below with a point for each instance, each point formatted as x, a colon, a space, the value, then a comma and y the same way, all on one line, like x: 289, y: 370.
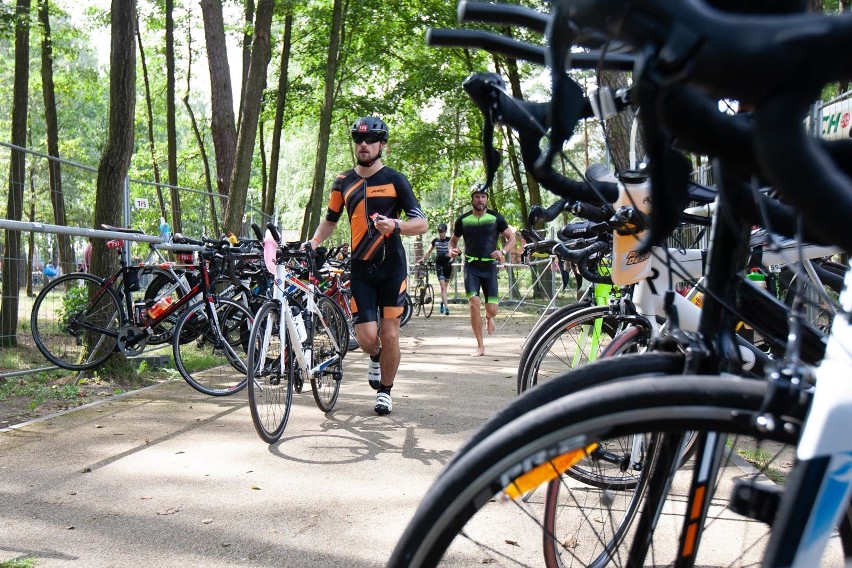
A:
x: 343, y: 253
x: 50, y: 272
x: 443, y: 263
x: 86, y: 265
x: 480, y: 228
x: 374, y: 196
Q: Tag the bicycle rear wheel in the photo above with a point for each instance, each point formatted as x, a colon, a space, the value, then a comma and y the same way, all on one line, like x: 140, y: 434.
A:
x: 75, y: 321
x: 270, y: 386
x: 470, y: 515
x: 214, y: 364
x: 329, y: 344
x: 428, y: 300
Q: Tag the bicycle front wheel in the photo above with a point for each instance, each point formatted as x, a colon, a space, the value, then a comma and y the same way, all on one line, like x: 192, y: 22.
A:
x: 575, y: 338
x: 75, y: 321
x: 214, y: 363
x: 270, y: 373
x: 428, y: 300
x: 329, y: 344
x: 417, y: 299
x: 473, y: 513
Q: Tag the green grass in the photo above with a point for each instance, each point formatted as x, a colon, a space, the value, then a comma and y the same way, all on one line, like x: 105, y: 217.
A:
x: 762, y: 460
x: 197, y: 361
x: 28, y: 562
x: 39, y: 387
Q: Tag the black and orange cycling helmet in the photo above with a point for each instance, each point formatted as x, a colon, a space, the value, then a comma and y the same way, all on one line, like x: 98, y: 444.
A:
x: 369, y: 126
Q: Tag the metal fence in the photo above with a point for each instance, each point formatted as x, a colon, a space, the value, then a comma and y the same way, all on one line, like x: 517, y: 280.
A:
x: 40, y: 258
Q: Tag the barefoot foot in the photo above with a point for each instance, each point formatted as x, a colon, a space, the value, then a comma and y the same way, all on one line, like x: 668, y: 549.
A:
x: 489, y: 325
x: 480, y: 351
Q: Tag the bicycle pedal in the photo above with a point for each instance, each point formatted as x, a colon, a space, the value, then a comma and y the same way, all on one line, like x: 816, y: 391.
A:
x: 758, y: 502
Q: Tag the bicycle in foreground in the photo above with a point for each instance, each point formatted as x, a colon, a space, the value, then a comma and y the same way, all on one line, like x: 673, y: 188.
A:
x: 768, y: 483
x: 299, y: 335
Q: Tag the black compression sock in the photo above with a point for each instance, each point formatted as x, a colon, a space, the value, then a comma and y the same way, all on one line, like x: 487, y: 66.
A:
x: 375, y: 358
x: 385, y: 388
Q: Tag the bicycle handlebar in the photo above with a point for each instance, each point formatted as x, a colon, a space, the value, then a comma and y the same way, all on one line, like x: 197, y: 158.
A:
x: 509, y: 14
x: 777, y: 63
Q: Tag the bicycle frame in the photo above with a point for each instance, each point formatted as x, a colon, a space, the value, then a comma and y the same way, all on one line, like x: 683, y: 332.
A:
x: 286, y: 284
x: 820, y: 485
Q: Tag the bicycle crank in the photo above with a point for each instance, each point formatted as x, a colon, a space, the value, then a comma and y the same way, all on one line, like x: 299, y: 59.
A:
x: 131, y: 340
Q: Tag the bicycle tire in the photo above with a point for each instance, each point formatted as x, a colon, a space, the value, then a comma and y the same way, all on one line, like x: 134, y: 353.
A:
x: 325, y: 385
x: 407, y: 310
x: 629, y: 340
x: 416, y: 300
x: 270, y: 388
x: 574, y: 338
x: 213, y: 365
x: 626, y: 408
x: 652, y: 364
x: 63, y: 312
x: 543, y: 324
x: 428, y: 300
x: 342, y: 301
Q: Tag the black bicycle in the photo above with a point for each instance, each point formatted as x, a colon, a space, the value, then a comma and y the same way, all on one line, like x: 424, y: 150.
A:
x: 423, y: 299
x: 745, y: 499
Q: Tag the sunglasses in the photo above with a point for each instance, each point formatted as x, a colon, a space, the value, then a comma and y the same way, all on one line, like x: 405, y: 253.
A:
x: 367, y: 137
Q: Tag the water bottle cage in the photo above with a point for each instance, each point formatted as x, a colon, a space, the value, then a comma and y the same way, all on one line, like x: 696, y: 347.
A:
x: 628, y: 221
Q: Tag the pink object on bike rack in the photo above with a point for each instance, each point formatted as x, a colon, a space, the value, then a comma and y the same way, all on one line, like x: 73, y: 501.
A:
x: 269, y: 247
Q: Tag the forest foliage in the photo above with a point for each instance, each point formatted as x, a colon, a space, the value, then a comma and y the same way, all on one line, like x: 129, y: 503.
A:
x: 384, y: 68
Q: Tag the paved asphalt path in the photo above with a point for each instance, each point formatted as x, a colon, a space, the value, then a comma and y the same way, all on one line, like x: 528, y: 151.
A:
x: 170, y: 477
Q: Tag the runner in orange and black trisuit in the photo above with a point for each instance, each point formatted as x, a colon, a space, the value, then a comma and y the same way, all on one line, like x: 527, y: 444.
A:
x: 374, y: 195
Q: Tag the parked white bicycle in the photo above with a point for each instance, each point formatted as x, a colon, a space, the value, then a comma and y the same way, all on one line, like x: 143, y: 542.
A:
x: 299, y: 334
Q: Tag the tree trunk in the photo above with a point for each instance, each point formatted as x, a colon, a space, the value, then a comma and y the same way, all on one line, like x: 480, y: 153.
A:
x: 264, y: 174
x: 199, y: 139
x: 31, y: 254
x: 151, y: 143
x: 28, y: 274
x: 13, y: 262
x: 171, y: 128
x: 222, y: 126
x: 249, y: 16
x: 315, y: 203
x: 66, y: 253
x: 280, y: 103
x: 618, y: 127
x: 260, y: 54
x: 115, y: 161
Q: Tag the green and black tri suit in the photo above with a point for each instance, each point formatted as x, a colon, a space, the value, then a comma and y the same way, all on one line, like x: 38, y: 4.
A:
x: 480, y: 236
